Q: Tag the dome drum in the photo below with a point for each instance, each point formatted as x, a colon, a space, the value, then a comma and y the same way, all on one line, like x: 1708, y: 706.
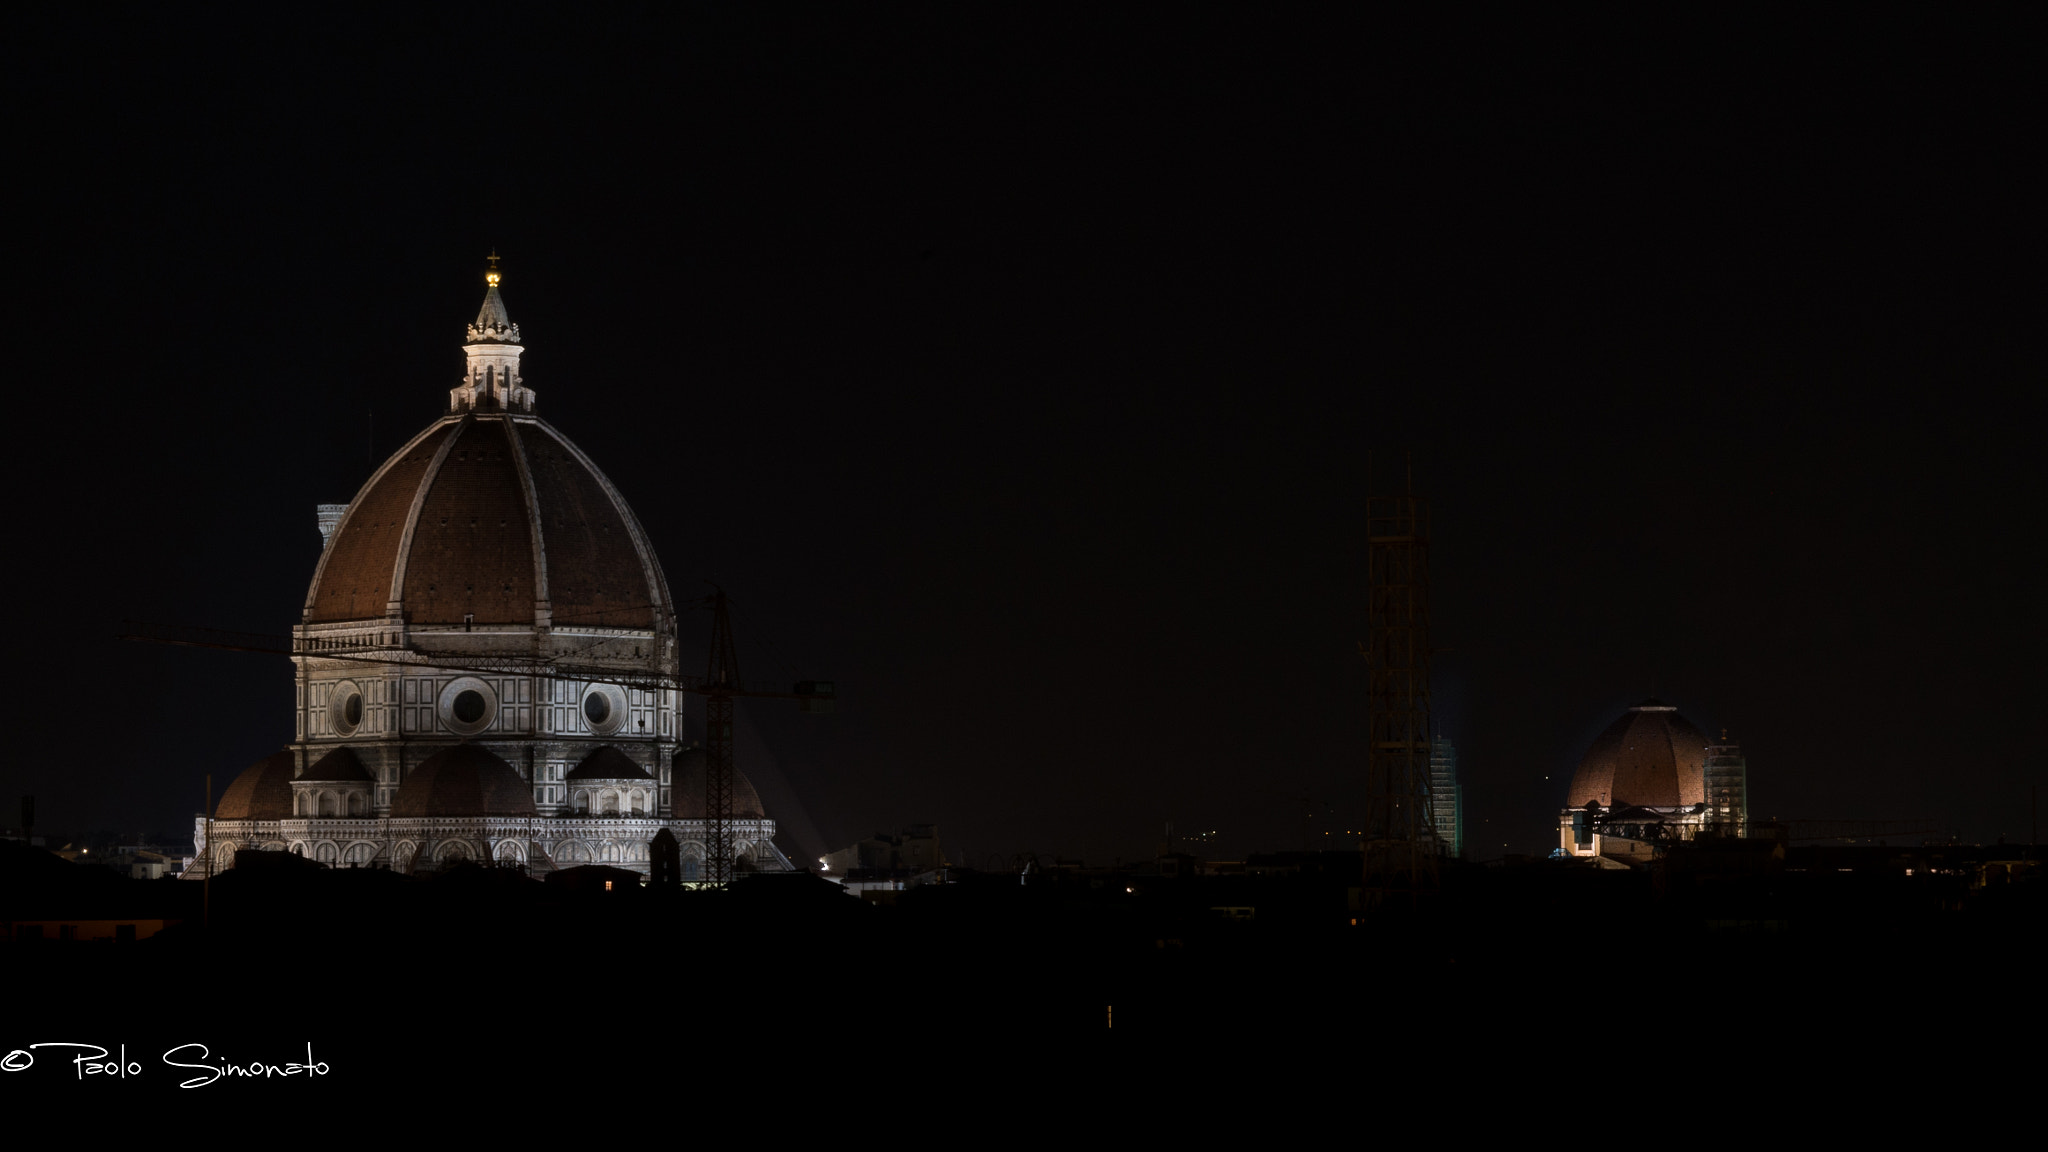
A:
x: 467, y: 705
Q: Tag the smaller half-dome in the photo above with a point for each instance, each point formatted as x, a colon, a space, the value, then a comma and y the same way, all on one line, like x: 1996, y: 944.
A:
x: 608, y: 763
x: 263, y: 791
x: 465, y: 780
x: 688, y: 794
x: 341, y: 765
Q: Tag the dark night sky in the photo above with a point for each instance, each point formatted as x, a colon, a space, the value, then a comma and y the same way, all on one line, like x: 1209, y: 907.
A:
x: 1020, y: 373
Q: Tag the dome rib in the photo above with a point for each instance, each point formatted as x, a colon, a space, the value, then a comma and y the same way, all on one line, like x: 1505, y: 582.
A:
x: 603, y: 573
x: 543, y: 601
x: 412, y: 516
x: 471, y: 559
x: 370, y: 543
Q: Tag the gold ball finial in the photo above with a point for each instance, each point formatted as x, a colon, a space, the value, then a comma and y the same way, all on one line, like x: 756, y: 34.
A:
x: 491, y: 274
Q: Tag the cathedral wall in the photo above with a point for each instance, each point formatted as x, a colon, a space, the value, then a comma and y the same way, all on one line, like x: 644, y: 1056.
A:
x: 394, y: 716
x: 536, y: 844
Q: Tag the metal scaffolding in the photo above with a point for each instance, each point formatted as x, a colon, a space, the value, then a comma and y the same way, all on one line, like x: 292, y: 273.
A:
x: 721, y: 683
x: 1401, y: 846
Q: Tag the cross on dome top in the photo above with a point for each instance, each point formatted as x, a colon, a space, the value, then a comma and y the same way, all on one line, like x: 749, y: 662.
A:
x: 493, y: 325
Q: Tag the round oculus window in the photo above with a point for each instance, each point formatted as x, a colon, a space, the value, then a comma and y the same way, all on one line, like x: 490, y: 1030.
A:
x: 604, y: 709
x: 345, y: 708
x: 468, y: 705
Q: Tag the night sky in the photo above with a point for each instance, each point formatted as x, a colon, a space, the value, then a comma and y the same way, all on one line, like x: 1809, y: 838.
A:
x: 1021, y: 372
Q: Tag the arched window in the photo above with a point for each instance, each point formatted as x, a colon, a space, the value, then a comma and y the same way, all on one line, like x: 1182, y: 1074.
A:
x: 329, y: 804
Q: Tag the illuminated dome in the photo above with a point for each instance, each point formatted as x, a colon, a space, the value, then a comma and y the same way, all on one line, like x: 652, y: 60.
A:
x: 463, y: 781
x: 489, y: 517
x: 689, y: 765
x: 262, y: 792
x: 608, y: 763
x: 341, y: 766
x: 1650, y: 758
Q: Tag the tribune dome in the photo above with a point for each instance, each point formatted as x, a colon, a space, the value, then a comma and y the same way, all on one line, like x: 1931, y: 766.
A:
x: 489, y: 517
x: 690, y: 768
x: 262, y: 792
x: 465, y: 780
x: 1651, y: 757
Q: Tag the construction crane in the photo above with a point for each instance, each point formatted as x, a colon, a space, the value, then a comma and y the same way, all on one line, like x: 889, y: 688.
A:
x: 1400, y: 847
x: 720, y: 686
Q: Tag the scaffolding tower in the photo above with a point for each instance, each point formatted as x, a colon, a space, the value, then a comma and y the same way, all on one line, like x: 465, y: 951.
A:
x: 1401, y: 844
x: 1727, y: 780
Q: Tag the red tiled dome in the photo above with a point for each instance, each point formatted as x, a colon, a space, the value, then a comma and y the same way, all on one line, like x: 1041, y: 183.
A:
x: 465, y: 780
x: 490, y: 516
x: 688, y: 794
x: 1651, y: 757
x: 264, y: 790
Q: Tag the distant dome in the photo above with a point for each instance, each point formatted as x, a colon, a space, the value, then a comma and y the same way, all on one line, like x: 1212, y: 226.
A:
x: 263, y: 791
x: 465, y: 780
x: 689, y: 789
x: 1651, y: 757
